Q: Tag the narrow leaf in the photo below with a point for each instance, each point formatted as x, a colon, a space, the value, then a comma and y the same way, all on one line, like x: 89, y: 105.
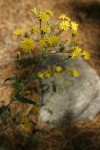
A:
x: 24, y: 100
x: 11, y: 78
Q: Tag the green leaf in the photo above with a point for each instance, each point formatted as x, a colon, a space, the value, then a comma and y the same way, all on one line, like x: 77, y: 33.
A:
x: 17, y: 85
x: 11, y: 78
x: 24, y: 100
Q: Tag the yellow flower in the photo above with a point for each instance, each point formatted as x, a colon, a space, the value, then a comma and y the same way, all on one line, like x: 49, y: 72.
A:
x: 75, y: 73
x: 43, y: 16
x: 76, y: 52
x: 64, y: 25
x: 18, y: 32
x: 86, y: 55
x: 58, y: 68
x: 34, y: 11
x: 74, y: 27
x: 25, y: 121
x: 18, y: 53
x: 45, y: 29
x: 27, y: 92
x: 64, y: 17
x: 44, y: 42
x: 41, y: 74
x: 27, y: 44
x: 47, y: 74
x: 53, y: 40
x: 49, y: 41
x: 49, y: 12
x: 44, y: 74
x: 33, y: 29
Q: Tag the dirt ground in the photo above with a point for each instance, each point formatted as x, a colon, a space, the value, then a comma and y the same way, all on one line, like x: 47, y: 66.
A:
x: 16, y: 13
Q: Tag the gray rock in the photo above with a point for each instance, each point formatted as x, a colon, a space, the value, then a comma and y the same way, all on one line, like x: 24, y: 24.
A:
x: 78, y: 100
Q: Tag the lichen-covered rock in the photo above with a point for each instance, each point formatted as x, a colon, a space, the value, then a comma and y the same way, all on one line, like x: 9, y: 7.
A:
x: 78, y: 99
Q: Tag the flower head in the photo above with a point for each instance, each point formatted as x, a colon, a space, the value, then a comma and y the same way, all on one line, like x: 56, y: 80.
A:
x: 49, y: 12
x: 58, y: 68
x: 34, y: 11
x: 44, y: 42
x: 63, y: 17
x: 33, y: 29
x: 49, y: 41
x: 43, y: 16
x: 76, y: 52
x: 40, y: 74
x: 47, y: 74
x: 18, y: 32
x: 75, y: 73
x: 74, y: 27
x: 44, y: 74
x: 27, y: 44
x: 18, y: 53
x: 45, y: 29
x: 64, y: 25
x: 53, y: 40
x: 86, y: 55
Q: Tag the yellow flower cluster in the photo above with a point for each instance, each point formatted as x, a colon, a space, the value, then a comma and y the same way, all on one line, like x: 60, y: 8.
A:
x: 50, y: 34
x: 76, y: 52
x: 27, y: 44
x: 42, y: 15
x: 68, y: 24
x: 47, y: 73
x: 49, y: 41
x: 18, y: 32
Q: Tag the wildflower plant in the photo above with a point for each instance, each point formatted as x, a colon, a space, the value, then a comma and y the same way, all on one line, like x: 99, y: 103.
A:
x: 47, y: 36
